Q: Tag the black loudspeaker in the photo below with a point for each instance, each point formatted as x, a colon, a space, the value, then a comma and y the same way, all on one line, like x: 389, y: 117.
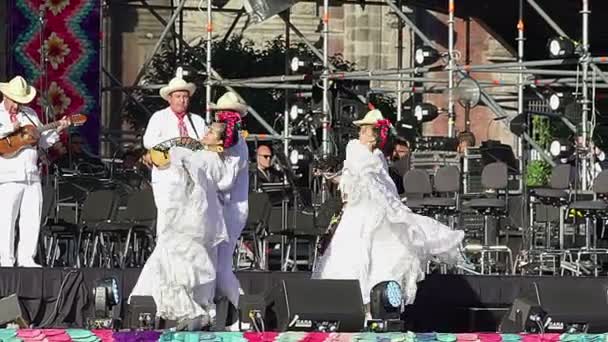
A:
x: 571, y: 304
x: 525, y: 316
x: 315, y: 305
x: 141, y: 313
x: 10, y: 311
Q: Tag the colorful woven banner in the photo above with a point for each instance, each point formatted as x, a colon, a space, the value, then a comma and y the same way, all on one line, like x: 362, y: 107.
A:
x: 71, y: 37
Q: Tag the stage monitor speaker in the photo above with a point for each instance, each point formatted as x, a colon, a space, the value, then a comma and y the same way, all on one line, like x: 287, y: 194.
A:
x: 141, y: 313
x: 525, y: 316
x: 570, y: 304
x: 10, y: 311
x: 249, y: 307
x: 315, y: 305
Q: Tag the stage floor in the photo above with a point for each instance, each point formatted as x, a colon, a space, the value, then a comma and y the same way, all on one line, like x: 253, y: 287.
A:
x: 444, y: 303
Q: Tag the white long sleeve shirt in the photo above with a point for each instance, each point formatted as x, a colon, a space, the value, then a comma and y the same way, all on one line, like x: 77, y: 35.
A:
x: 23, y: 167
x: 163, y: 125
x: 234, y: 185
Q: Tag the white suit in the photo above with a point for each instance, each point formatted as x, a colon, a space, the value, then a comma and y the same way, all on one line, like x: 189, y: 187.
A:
x: 235, y: 192
x: 163, y: 125
x: 21, y: 192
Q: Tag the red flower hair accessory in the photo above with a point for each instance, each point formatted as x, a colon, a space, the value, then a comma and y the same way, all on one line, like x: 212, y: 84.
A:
x: 233, y: 125
x: 384, y: 126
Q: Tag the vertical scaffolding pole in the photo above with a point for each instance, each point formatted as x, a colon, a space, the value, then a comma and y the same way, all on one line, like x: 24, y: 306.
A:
x: 451, y: 113
x: 208, y: 63
x: 326, y: 121
x: 399, y: 64
x: 287, y: 61
x: 521, y: 143
x: 585, y: 90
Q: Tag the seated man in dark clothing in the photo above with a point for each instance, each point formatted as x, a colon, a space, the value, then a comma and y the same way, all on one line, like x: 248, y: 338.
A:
x: 399, y: 162
x: 264, y: 172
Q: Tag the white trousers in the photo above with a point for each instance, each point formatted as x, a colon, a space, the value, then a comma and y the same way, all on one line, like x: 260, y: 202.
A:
x: 15, y: 198
x: 164, y: 198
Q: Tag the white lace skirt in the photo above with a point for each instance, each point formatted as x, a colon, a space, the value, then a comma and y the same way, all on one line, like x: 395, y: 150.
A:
x: 374, y: 243
x: 180, y: 276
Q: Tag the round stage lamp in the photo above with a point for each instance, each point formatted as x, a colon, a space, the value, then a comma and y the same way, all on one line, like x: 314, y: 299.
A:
x: 468, y: 92
x: 295, y: 111
x: 303, y: 65
x: 560, y: 47
x: 558, y: 100
x: 185, y: 72
x: 294, y: 156
x: 296, y: 64
x: 425, y: 55
x: 107, y: 295
x: 386, y: 300
x: 424, y: 112
x: 561, y: 148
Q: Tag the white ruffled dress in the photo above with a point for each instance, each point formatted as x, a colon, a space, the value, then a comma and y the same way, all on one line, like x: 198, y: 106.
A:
x: 378, y: 237
x: 181, y: 272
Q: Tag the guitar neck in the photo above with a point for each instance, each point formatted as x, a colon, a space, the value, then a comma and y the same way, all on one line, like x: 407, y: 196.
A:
x: 49, y: 126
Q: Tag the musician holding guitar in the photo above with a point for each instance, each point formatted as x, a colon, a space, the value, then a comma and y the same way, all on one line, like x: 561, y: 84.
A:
x: 20, y: 189
x: 172, y: 122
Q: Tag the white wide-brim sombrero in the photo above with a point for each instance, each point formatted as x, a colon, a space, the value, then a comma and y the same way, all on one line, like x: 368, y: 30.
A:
x: 230, y: 101
x: 371, y: 118
x: 18, y: 90
x: 177, y: 84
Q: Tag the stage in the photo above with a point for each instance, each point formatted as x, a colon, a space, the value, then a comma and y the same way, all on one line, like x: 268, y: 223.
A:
x: 445, y: 303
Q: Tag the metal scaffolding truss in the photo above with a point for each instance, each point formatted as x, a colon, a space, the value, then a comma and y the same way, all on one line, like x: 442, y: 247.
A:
x: 584, y: 75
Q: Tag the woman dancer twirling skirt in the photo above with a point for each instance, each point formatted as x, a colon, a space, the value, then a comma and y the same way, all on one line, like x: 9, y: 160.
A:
x: 378, y: 237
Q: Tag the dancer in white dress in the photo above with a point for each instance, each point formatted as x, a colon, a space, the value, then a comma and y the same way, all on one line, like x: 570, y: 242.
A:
x: 378, y: 237
x: 184, y: 261
x: 234, y: 189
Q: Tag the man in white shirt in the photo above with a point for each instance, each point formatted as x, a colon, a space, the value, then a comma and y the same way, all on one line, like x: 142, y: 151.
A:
x: 19, y: 176
x: 172, y: 122
x: 235, y: 190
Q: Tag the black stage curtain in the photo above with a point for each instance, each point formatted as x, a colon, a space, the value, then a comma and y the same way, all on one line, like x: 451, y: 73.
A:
x: 444, y: 303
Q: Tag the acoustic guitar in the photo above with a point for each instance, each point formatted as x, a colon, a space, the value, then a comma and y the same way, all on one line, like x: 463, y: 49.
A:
x: 28, y: 135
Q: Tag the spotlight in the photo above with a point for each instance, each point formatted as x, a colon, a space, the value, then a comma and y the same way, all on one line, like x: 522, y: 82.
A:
x: 425, y: 112
x: 303, y: 65
x: 468, y: 92
x: 560, y: 47
x: 386, y: 306
x: 561, y: 148
x: 295, y: 111
x: 295, y: 156
x: 558, y: 100
x: 425, y: 55
x: 564, y: 103
x: 184, y: 72
x: 107, y: 302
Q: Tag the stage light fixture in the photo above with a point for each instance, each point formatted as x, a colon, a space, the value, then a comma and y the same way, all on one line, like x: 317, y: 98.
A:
x: 425, y: 55
x: 294, y: 156
x: 558, y: 100
x: 302, y: 65
x: 468, y: 92
x: 561, y: 148
x: 295, y: 111
x: 386, y: 306
x: 424, y: 112
x: 185, y: 72
x: 560, y: 47
x: 107, y: 296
